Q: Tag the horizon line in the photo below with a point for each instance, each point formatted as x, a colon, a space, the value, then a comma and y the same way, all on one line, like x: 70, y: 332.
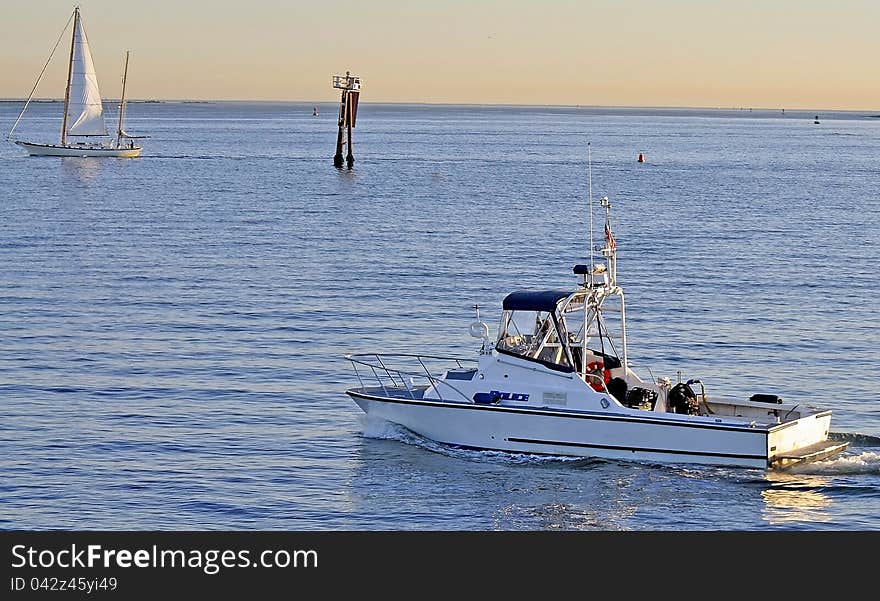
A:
x: 475, y: 104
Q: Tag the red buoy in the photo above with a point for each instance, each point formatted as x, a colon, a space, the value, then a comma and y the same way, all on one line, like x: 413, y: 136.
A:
x: 641, y: 158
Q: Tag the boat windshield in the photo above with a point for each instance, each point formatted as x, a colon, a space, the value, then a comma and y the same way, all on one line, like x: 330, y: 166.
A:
x: 534, y: 335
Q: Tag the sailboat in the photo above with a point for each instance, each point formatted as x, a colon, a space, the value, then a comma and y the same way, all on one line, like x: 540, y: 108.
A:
x: 83, y: 115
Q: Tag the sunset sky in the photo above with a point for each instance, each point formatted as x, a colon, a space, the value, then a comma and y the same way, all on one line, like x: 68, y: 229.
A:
x: 750, y: 53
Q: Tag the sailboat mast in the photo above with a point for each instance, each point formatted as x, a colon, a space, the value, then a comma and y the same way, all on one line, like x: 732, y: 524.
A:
x: 69, y: 74
x: 122, y: 101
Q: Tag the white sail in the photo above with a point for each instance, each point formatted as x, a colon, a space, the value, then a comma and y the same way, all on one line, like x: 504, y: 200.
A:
x: 85, y: 113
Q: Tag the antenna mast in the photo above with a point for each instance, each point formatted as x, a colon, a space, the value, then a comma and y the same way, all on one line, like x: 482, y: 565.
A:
x: 590, y: 178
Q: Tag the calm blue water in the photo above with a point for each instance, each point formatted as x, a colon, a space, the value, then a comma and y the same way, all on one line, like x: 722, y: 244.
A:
x: 173, y: 327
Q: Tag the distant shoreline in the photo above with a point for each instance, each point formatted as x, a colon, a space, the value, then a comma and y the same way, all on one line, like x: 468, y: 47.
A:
x: 867, y: 113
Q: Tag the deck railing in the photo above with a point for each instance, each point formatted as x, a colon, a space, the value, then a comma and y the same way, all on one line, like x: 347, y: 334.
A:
x: 392, y: 379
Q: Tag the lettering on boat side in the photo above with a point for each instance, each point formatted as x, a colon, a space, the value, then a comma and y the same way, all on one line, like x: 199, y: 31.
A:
x: 493, y: 397
x: 509, y: 396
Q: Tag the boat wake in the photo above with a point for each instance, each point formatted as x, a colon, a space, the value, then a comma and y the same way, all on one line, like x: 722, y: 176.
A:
x: 867, y: 462
x: 862, y: 457
x: 385, y: 430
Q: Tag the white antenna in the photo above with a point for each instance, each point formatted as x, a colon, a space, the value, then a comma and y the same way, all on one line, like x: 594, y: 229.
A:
x: 590, y: 177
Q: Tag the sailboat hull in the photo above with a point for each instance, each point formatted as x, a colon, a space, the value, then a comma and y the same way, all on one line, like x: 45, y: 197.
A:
x: 78, y: 150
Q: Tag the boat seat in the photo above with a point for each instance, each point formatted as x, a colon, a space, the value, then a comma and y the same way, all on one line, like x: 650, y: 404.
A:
x: 617, y: 387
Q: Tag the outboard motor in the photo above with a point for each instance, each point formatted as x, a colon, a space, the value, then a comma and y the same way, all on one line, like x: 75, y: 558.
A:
x: 682, y: 399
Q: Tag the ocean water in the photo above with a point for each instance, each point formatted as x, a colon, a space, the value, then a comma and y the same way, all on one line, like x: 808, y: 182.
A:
x: 173, y: 327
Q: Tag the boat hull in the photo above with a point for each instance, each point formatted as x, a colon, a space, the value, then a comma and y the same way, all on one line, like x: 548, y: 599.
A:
x: 57, y: 150
x: 673, y: 439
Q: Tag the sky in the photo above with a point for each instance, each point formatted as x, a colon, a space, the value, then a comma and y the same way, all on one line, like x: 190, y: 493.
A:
x: 792, y: 54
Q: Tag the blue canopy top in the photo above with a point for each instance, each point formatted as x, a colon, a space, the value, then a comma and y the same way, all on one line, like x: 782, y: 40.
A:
x: 540, y: 300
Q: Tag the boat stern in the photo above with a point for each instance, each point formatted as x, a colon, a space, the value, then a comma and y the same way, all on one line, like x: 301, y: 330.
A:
x: 802, y: 440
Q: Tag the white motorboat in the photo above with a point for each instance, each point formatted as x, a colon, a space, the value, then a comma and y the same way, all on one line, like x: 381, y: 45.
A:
x: 556, y: 380
x: 83, y: 113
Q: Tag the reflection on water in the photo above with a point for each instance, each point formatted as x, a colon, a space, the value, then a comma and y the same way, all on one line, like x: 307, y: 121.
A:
x: 795, y: 498
x: 560, y: 500
x: 550, y: 516
x: 804, y: 492
x: 611, y: 514
x: 82, y: 169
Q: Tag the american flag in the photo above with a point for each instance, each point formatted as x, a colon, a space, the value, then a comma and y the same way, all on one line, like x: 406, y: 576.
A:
x: 609, y: 237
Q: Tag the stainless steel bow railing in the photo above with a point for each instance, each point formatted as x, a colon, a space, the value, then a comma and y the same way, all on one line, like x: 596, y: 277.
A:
x: 410, y: 381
